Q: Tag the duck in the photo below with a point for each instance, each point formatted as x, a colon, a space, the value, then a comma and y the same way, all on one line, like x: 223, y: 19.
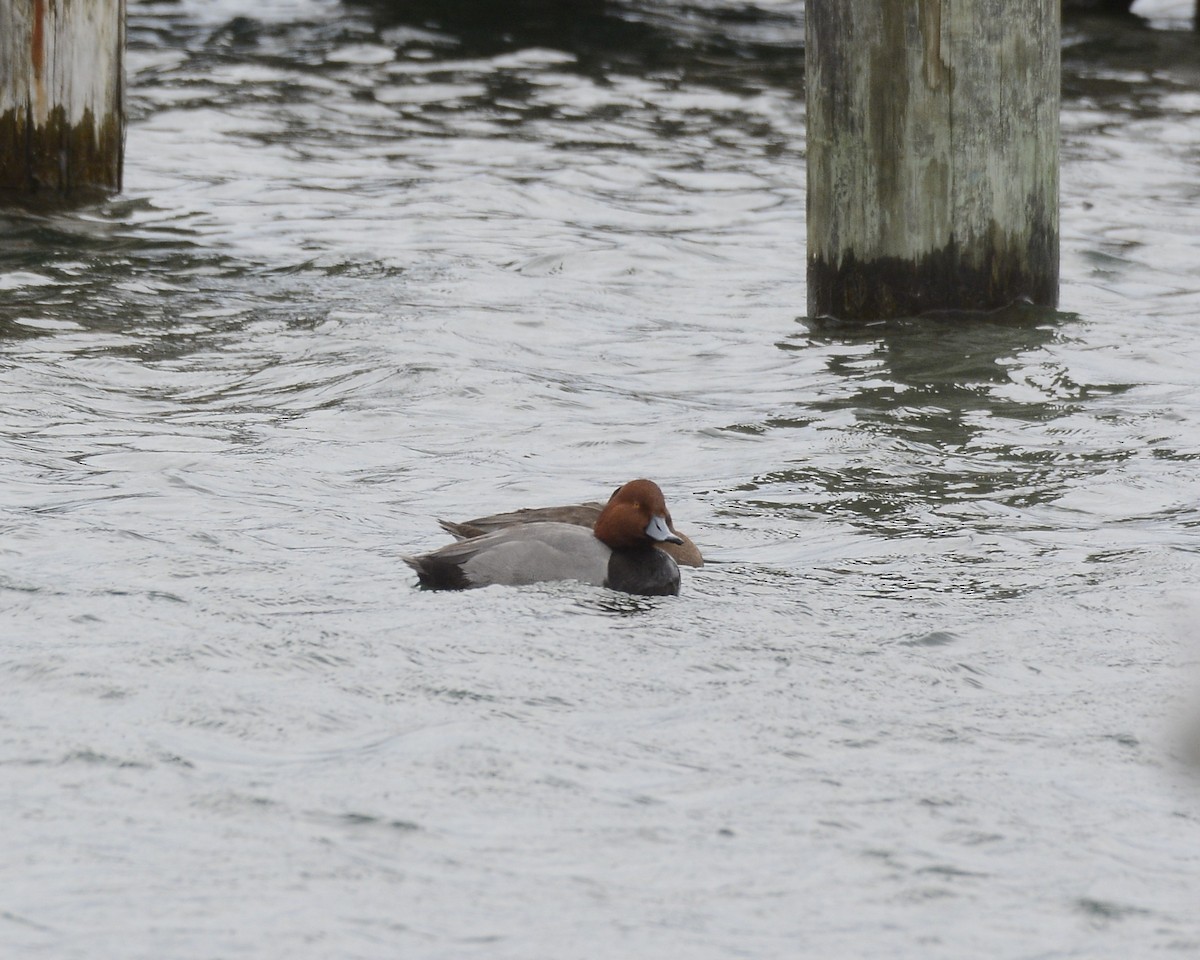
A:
x: 685, y: 553
x: 619, y: 551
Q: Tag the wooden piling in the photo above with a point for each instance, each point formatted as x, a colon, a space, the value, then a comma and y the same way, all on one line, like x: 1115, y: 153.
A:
x: 62, y: 117
x: 932, y: 155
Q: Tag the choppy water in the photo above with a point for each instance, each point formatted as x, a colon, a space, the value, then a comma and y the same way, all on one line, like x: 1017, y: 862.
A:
x: 378, y: 265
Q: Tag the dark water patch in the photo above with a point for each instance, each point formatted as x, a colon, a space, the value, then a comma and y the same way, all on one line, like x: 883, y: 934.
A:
x: 951, y: 872
x: 939, y: 638
x: 91, y: 757
x: 1108, y: 910
x: 1127, y: 67
x: 689, y: 43
x: 366, y: 820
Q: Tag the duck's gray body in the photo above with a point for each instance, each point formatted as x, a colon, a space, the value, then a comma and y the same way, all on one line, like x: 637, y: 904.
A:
x: 537, y: 552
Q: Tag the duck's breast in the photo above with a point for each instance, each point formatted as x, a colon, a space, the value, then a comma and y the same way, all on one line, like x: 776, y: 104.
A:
x: 648, y: 572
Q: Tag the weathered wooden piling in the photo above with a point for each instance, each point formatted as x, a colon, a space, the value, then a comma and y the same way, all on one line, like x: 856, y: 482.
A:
x: 932, y: 155
x: 62, y: 121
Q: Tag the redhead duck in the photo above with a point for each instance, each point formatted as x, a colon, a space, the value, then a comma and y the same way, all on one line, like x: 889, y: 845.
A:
x: 618, y: 552
x: 685, y: 553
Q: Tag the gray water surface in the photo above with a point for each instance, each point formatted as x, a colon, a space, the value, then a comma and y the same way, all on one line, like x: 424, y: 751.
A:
x: 380, y: 263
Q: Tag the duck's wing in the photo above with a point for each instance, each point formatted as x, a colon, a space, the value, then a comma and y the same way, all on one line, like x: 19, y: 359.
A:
x: 578, y: 514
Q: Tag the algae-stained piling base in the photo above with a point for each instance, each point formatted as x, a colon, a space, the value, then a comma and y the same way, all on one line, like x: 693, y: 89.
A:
x: 942, y: 279
x: 1111, y: 7
x: 61, y: 97
x: 932, y: 155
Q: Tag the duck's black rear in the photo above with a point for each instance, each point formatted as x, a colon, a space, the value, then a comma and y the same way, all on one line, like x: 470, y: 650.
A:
x: 438, y: 573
